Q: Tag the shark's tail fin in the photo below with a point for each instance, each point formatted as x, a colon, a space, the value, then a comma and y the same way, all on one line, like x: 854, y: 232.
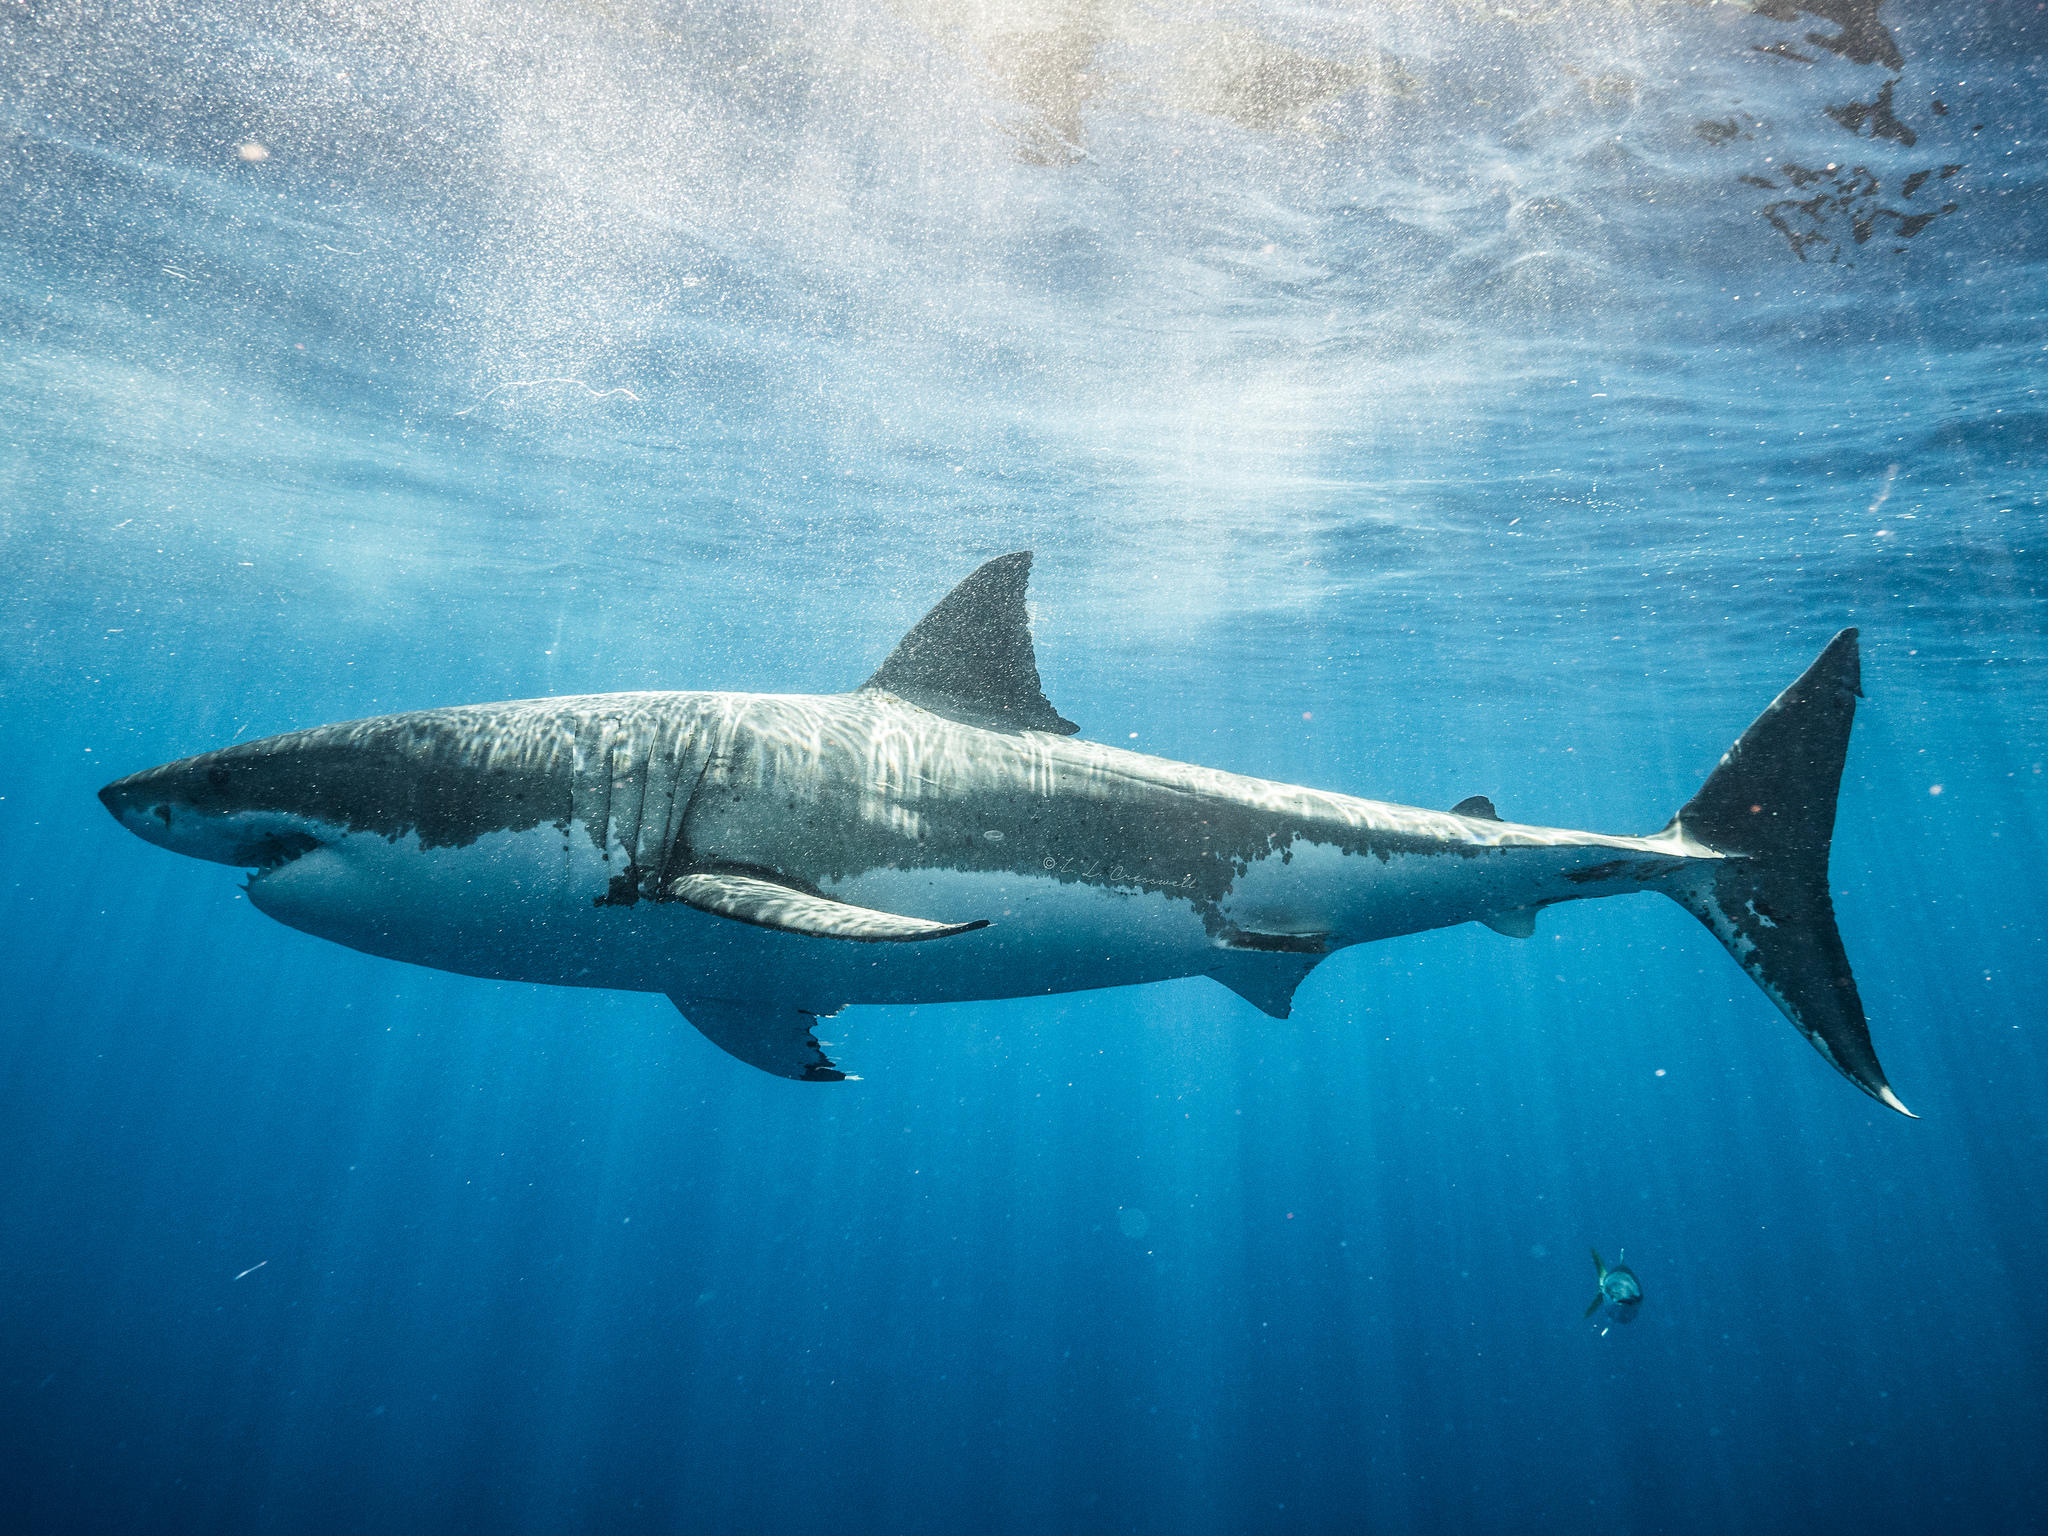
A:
x: 1770, y: 807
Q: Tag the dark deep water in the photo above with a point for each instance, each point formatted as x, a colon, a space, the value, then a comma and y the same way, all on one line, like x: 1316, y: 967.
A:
x: 1412, y: 400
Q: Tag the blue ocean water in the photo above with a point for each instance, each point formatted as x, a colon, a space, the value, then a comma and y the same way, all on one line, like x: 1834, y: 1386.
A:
x: 1407, y: 399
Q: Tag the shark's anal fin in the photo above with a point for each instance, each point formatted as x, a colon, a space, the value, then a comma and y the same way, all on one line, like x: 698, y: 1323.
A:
x: 1515, y: 922
x: 770, y: 904
x: 970, y: 659
x: 1477, y: 806
x: 775, y: 1037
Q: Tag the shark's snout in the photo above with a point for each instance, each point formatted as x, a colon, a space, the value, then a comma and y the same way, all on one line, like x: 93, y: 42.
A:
x: 192, y: 807
x: 146, y: 803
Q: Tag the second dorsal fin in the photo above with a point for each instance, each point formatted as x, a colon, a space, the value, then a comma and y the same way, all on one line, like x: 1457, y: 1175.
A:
x: 1476, y: 806
x: 970, y: 658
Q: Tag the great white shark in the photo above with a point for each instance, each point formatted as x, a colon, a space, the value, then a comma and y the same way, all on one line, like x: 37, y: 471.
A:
x: 1620, y: 1291
x: 941, y: 834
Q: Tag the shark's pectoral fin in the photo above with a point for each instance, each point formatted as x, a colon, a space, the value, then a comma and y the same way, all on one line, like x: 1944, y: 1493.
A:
x: 1265, y: 979
x: 770, y: 904
x: 1265, y: 968
x: 1515, y: 922
x: 772, y: 1036
x: 1598, y: 1297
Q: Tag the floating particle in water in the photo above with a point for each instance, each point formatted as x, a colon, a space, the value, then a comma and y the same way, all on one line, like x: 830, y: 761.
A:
x: 252, y: 152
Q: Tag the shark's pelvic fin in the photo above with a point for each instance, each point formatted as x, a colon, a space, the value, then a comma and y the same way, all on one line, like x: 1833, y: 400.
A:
x: 1265, y: 978
x: 1770, y: 806
x: 1515, y: 922
x: 772, y: 1036
x: 970, y: 659
x: 770, y: 904
x: 1477, y: 806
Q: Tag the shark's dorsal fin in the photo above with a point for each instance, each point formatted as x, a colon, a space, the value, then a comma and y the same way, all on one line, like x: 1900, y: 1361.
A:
x: 970, y: 658
x: 1476, y: 805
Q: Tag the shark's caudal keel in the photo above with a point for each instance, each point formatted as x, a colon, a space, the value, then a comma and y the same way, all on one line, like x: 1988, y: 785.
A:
x: 938, y: 835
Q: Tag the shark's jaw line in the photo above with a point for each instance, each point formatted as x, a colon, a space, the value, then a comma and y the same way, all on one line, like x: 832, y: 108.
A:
x: 941, y: 834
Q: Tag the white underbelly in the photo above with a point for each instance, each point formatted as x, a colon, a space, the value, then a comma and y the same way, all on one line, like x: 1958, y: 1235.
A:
x: 526, y: 906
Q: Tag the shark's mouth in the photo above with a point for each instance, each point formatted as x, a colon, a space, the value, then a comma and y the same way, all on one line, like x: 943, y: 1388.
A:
x: 254, y: 839
x: 273, y: 850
